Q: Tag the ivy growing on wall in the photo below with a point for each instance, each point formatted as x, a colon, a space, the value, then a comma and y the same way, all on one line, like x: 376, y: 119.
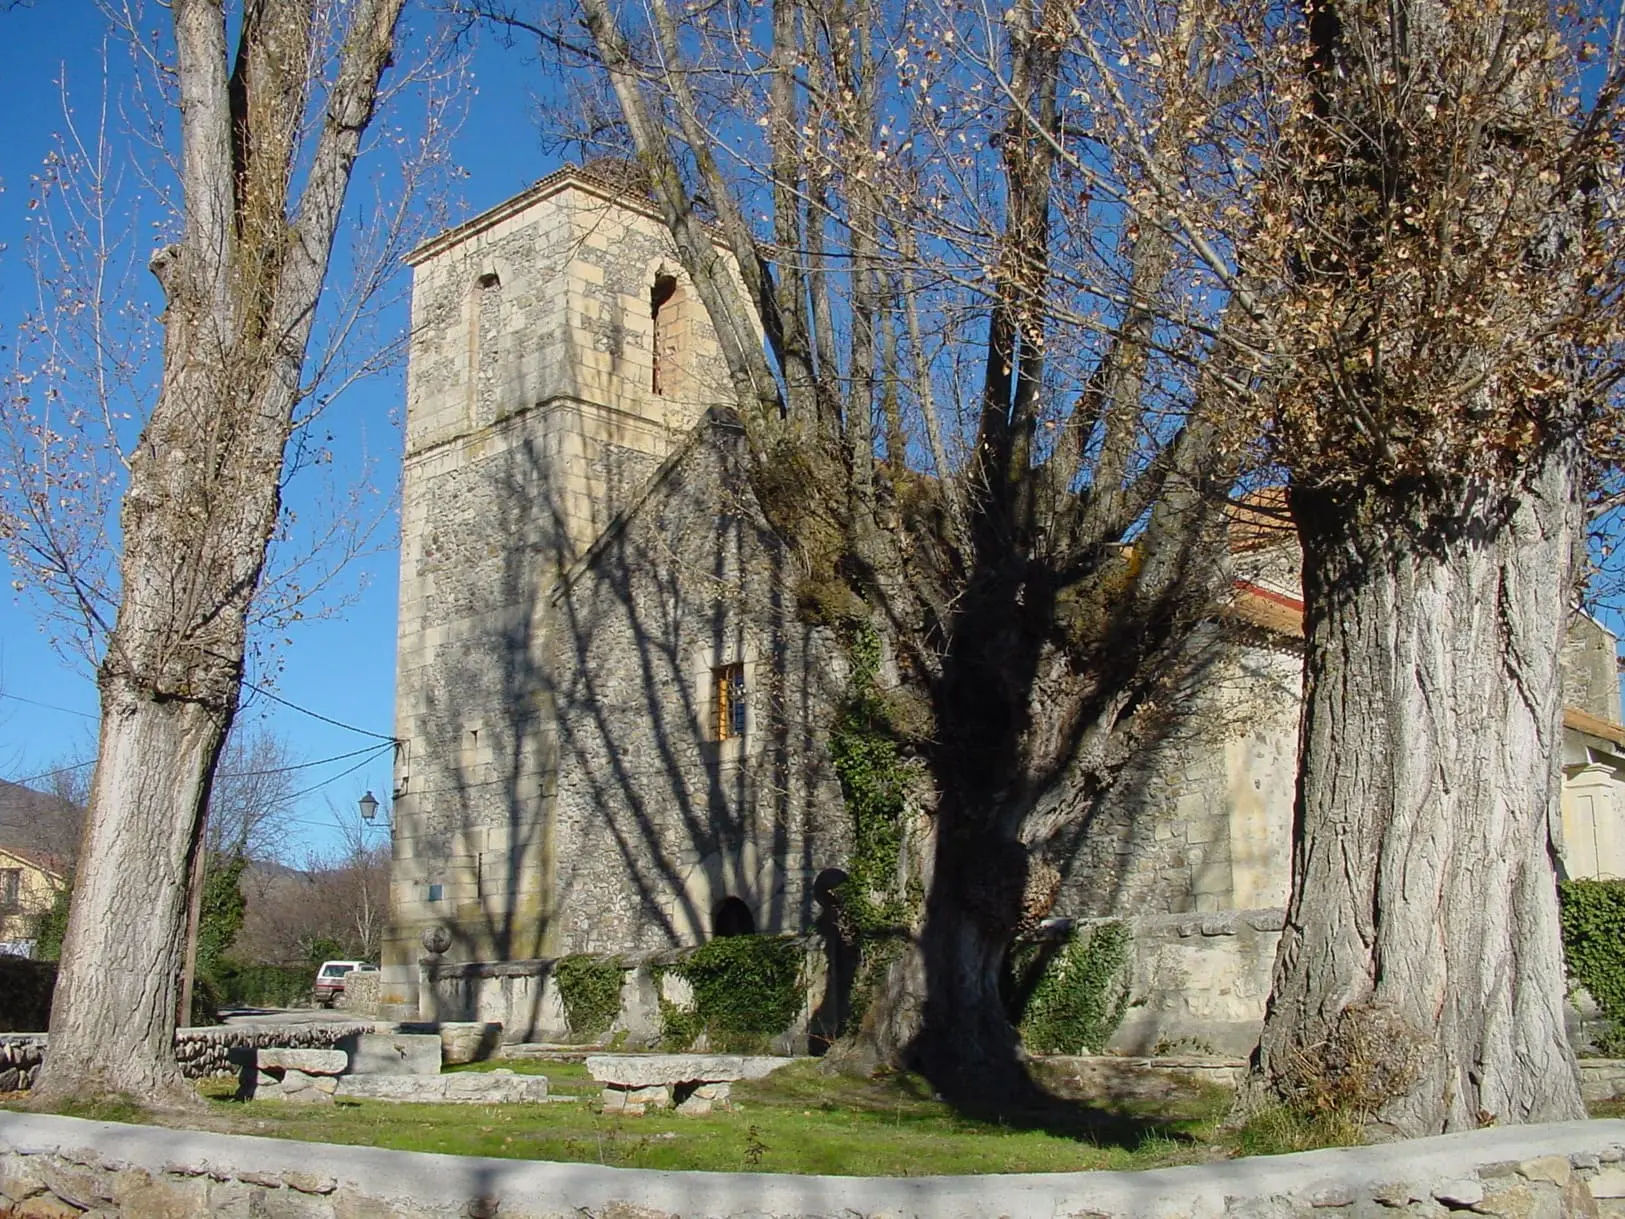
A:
x: 591, y: 990
x: 1081, y: 993
x: 1593, y: 917
x: 874, y: 776
x: 747, y: 988
x: 874, y: 779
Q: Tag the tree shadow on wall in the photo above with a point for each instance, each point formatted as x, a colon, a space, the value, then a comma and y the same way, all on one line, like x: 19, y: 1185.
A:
x: 576, y: 776
x: 571, y: 773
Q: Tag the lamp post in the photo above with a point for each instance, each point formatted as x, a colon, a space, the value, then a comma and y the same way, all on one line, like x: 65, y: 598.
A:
x: 369, y: 807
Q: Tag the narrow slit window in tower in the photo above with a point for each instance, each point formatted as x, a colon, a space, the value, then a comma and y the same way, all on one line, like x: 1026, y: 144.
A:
x: 728, y: 701
x: 662, y: 309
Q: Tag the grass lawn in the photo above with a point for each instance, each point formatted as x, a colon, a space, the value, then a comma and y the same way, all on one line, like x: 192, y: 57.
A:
x: 797, y: 1120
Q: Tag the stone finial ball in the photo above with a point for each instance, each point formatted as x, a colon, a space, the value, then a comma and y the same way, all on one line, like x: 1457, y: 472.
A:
x: 436, y: 940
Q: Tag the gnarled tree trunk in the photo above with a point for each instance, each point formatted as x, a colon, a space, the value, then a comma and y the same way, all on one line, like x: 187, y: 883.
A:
x: 1420, y: 977
x: 937, y: 1007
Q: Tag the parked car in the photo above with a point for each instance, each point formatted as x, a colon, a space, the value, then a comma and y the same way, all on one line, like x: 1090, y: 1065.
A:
x: 330, y: 980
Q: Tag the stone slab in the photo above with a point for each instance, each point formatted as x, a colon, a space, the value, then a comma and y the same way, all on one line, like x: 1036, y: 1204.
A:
x: 311, y: 1062
x: 649, y: 1070
x: 470, y: 1088
x: 395, y: 1054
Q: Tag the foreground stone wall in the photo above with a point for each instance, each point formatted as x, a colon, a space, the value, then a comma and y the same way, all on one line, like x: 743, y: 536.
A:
x: 57, y: 1168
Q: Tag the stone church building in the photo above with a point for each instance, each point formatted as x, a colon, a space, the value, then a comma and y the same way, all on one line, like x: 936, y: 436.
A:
x: 613, y: 722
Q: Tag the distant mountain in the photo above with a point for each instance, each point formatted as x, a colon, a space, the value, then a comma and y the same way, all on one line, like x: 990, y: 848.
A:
x: 38, y: 821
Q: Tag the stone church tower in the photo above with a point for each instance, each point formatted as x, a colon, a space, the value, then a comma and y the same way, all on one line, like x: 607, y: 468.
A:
x: 557, y: 356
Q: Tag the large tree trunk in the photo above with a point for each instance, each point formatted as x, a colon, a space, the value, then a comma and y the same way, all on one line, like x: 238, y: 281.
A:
x: 1420, y: 977
x: 241, y: 287
x: 965, y: 1044
x: 937, y: 1007
x: 113, y: 1017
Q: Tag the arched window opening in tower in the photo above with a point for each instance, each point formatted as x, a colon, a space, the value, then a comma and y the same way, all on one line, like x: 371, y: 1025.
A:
x: 662, y: 308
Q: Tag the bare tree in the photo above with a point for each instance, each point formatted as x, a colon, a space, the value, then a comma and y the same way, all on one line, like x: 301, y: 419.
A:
x: 976, y: 286
x: 1448, y: 214
x: 251, y: 798
x: 339, y: 897
x: 267, y: 138
x: 350, y: 888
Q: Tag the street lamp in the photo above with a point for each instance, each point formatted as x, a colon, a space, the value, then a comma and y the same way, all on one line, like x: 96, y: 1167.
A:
x: 369, y: 807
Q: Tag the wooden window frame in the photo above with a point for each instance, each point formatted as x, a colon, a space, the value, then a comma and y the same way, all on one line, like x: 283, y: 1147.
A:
x: 729, y: 705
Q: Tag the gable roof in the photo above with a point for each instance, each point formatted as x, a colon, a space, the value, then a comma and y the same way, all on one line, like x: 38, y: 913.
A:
x: 53, y: 867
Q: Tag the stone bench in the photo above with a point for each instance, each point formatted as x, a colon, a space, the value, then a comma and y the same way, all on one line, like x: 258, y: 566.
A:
x: 468, y: 1088
x: 310, y: 1076
x: 692, y: 1083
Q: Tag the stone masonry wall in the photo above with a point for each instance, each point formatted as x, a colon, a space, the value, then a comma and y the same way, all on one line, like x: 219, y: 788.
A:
x: 1198, y: 982
x: 531, y: 422
x: 1200, y: 818
x: 60, y: 1168
x: 657, y: 821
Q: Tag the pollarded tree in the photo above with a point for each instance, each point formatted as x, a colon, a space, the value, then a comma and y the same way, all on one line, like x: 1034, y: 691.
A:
x: 1448, y: 224
x: 981, y: 310
x: 268, y: 135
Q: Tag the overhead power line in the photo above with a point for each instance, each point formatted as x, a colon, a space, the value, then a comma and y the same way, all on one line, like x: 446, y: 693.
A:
x: 34, y: 702
x: 317, y: 715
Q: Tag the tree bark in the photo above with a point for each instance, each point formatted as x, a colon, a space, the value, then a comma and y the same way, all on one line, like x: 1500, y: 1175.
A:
x: 937, y: 1008
x: 965, y: 1044
x: 1425, y: 901
x: 113, y: 1016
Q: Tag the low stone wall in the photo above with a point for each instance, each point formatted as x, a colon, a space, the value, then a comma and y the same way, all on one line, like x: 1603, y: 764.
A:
x: 201, y: 1052
x: 1109, y: 1077
x: 1198, y: 982
x: 524, y: 999
x: 1602, y: 1079
x: 56, y: 1168
x: 20, y: 1057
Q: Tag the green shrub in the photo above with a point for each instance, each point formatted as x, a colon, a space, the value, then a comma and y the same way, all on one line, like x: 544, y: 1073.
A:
x: 1593, y: 917
x: 1078, y: 1001
x: 53, y: 924
x: 244, y: 984
x: 591, y: 990
x: 746, y: 988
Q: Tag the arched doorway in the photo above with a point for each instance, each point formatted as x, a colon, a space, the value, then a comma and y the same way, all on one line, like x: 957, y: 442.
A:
x: 732, y: 917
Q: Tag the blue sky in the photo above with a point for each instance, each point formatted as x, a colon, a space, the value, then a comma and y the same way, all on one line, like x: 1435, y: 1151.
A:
x: 342, y: 668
